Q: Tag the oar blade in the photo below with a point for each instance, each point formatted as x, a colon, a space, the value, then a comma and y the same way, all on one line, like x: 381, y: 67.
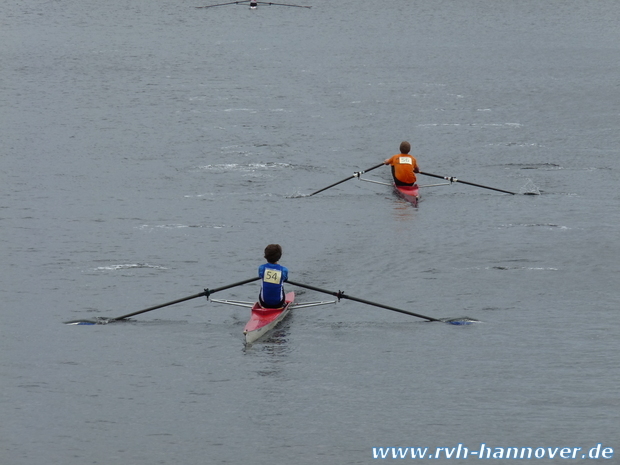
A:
x: 86, y: 322
x: 205, y: 293
x: 453, y: 179
x: 342, y: 295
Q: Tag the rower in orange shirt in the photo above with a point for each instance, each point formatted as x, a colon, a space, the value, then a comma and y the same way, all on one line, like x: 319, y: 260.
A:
x: 404, y: 166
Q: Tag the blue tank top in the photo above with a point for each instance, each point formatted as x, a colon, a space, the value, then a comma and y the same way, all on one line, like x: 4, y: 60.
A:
x: 272, y: 276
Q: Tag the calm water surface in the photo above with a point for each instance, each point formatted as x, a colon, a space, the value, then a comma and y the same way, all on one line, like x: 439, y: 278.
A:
x: 151, y: 149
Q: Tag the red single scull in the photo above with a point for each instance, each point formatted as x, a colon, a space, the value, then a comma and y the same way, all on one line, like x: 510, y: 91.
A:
x: 410, y: 193
x: 263, y: 320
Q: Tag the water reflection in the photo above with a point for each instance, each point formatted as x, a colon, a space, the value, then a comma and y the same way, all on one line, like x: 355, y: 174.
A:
x: 403, y: 210
x: 276, y: 344
x: 271, y: 354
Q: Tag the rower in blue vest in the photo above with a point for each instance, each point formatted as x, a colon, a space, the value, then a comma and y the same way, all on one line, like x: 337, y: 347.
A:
x: 272, y: 276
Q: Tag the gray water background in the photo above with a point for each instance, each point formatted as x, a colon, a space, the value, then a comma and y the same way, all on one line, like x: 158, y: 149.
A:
x: 151, y: 149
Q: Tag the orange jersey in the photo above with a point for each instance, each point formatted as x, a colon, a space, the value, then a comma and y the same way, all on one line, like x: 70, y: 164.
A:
x: 404, y: 167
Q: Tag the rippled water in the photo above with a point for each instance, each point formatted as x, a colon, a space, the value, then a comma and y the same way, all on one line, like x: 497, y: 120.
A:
x: 151, y: 150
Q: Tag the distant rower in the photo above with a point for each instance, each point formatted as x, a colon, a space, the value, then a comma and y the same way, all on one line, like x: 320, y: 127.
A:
x: 253, y: 4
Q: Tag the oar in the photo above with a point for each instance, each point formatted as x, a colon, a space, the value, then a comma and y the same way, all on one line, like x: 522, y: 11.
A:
x: 206, y: 292
x: 221, y: 4
x: 284, y: 4
x: 342, y: 295
x: 355, y: 175
x: 453, y: 179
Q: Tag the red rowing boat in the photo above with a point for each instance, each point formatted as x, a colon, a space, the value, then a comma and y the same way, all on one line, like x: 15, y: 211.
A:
x: 410, y: 193
x: 263, y: 320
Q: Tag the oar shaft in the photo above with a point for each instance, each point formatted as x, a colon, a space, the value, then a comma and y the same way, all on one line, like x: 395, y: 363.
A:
x: 388, y: 307
x: 369, y: 169
x: 284, y: 4
x: 222, y: 4
x: 355, y: 175
x: 344, y: 296
x: 161, y: 306
x: 248, y: 1
x: 240, y: 283
x: 453, y: 179
x: 332, y: 185
x: 206, y: 292
x: 485, y: 187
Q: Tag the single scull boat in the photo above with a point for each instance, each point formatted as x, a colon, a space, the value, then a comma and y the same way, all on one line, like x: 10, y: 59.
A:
x: 263, y: 320
x: 410, y: 193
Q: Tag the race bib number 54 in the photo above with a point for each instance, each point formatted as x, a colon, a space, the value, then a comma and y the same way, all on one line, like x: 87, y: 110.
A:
x: 272, y: 276
x: 405, y: 161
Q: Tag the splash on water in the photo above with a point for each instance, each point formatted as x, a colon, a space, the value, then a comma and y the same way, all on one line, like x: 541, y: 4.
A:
x: 530, y: 188
x: 463, y: 320
x: 297, y: 195
x: 128, y: 266
x: 244, y: 167
x: 98, y: 320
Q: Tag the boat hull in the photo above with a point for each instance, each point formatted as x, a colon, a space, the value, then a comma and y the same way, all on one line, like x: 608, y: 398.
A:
x: 263, y: 320
x: 410, y: 193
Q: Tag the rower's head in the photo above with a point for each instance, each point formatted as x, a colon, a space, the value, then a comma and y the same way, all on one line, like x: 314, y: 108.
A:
x: 405, y: 147
x: 273, y: 252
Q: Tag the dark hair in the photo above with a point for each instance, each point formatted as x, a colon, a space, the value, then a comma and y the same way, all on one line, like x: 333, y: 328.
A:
x: 273, y: 252
x: 405, y: 147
